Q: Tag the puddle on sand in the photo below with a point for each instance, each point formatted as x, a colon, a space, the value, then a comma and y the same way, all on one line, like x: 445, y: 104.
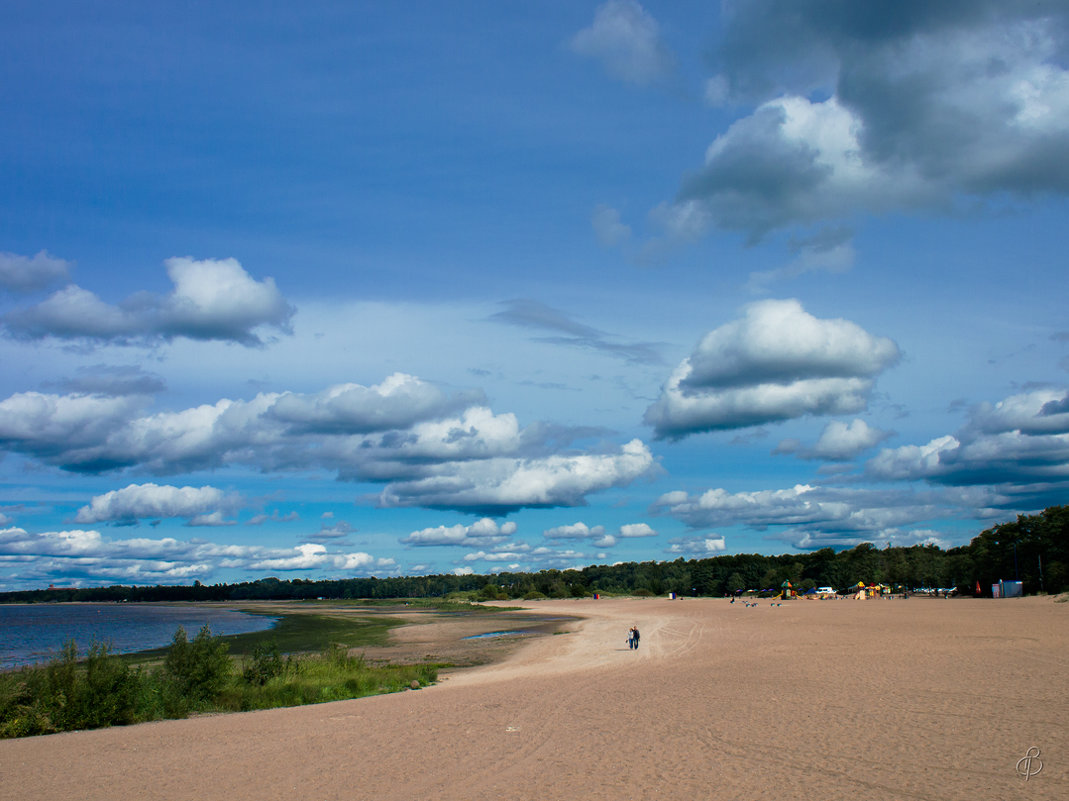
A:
x: 489, y: 634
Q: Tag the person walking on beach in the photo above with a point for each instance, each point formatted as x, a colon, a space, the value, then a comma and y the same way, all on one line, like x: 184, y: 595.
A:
x: 632, y: 638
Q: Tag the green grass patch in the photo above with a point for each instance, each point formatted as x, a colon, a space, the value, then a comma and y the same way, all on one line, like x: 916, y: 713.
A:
x: 333, y: 675
x: 304, y: 633
x: 298, y: 633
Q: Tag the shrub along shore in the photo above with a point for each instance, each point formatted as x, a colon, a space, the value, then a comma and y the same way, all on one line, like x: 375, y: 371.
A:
x: 305, y: 659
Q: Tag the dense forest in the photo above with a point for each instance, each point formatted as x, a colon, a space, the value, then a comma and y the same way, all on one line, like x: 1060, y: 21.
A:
x: 1033, y: 549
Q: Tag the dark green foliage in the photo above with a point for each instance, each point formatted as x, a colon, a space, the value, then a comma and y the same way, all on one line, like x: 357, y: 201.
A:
x: 111, y: 690
x: 558, y: 589
x: 491, y: 591
x: 197, y: 671
x: 735, y: 583
x: 266, y: 663
x: 68, y: 694
x: 101, y: 692
x: 1032, y: 548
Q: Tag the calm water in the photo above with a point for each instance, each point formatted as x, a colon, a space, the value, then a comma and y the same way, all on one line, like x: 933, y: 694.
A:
x: 31, y: 633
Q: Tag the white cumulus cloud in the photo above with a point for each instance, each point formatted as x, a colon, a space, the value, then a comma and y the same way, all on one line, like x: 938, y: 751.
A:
x: 777, y: 363
x: 633, y: 530
x: 137, y: 501
x: 212, y: 299
x: 574, y: 531
x: 504, y: 484
x: 483, y: 532
x: 1019, y: 446
x: 840, y: 441
x: 696, y: 547
x: 474, y: 460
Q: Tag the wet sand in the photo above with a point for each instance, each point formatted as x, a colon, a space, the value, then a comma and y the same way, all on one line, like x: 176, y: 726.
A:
x: 879, y: 699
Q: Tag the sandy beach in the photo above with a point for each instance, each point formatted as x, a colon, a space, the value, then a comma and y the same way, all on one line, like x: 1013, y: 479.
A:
x: 839, y: 699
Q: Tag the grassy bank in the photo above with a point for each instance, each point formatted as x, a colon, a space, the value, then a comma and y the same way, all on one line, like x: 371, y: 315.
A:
x: 297, y: 633
x: 306, y: 659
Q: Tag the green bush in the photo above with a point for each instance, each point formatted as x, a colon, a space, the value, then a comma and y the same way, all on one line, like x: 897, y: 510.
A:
x: 492, y: 592
x: 461, y: 596
x: 111, y: 690
x: 22, y: 713
x: 197, y: 670
x: 68, y: 695
x: 265, y: 664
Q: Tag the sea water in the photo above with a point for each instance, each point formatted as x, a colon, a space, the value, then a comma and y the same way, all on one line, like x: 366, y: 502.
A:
x: 34, y: 633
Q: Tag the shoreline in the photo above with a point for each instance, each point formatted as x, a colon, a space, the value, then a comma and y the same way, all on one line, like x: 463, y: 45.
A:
x: 125, y: 627
x: 445, y: 627
x: 878, y: 700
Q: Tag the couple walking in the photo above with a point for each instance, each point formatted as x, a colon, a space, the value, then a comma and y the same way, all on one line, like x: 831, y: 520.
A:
x: 632, y: 637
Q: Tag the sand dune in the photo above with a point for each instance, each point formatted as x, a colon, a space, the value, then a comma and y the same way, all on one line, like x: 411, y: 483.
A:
x: 896, y: 699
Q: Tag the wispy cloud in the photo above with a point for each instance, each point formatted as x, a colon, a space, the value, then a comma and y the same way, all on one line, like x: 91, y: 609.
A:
x: 112, y: 380
x: 627, y: 41
x: 568, y: 331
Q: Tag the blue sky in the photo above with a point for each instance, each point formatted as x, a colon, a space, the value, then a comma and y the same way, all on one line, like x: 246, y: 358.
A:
x: 346, y: 289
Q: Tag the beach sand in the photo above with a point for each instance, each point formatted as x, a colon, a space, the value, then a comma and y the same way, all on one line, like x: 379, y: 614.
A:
x: 840, y: 699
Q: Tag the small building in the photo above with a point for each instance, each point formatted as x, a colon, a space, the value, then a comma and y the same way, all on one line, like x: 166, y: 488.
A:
x: 1007, y: 589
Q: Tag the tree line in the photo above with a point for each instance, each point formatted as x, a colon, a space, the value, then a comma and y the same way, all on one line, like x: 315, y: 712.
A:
x: 1033, y: 549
